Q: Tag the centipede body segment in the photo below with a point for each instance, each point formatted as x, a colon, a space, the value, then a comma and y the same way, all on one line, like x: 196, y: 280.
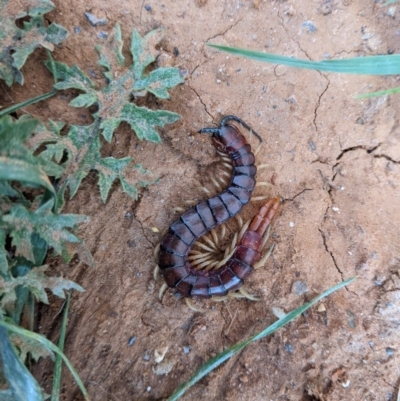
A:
x: 197, y: 221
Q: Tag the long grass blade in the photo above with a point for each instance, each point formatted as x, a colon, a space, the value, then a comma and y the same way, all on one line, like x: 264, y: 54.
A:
x: 55, y: 393
x: 371, y: 65
x: 48, y: 344
x: 229, y: 352
x: 389, y: 2
x: 26, y: 103
x: 379, y: 93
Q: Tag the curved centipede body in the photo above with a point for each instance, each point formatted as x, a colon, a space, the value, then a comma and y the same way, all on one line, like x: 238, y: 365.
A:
x: 197, y: 221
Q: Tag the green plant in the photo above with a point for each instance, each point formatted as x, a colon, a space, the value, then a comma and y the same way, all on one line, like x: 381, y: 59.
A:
x: 29, y: 226
x: 16, y: 44
x: 40, y: 161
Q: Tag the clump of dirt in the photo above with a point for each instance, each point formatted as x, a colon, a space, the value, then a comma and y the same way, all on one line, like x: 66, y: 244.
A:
x: 334, y: 160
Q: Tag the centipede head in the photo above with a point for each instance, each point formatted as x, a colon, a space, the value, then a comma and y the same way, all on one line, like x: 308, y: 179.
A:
x: 227, y: 134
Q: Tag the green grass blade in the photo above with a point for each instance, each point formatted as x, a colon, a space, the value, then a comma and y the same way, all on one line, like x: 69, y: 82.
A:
x: 229, y: 352
x: 26, y: 103
x: 371, y: 65
x: 55, y: 393
x: 379, y: 93
x: 49, y: 345
x: 389, y: 2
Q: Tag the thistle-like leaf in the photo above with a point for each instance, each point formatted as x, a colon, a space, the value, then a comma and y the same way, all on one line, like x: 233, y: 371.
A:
x: 16, y: 44
x: 37, y: 282
x: 14, y: 135
x: 22, y: 224
x: 114, y: 100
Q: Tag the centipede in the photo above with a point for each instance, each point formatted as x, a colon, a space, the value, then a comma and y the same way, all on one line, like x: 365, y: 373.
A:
x: 173, y: 255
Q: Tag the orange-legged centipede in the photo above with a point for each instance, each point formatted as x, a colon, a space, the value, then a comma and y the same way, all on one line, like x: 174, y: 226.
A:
x: 197, y: 221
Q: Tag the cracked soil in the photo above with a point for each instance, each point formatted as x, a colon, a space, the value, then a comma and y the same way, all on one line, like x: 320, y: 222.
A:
x: 334, y: 160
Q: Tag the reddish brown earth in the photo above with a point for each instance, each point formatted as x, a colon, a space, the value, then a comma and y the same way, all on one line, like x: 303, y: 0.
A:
x: 334, y: 160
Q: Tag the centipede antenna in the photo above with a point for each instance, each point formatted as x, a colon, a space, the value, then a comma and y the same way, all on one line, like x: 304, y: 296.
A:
x: 210, y: 131
x: 240, y: 121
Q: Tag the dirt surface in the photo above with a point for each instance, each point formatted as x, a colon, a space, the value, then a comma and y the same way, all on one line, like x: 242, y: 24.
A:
x: 333, y: 159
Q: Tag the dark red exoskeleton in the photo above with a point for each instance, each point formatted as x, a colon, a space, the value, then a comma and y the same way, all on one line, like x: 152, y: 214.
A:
x: 206, y: 215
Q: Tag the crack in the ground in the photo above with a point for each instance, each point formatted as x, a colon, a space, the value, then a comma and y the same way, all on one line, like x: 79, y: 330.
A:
x: 319, y: 103
x: 294, y: 197
x: 368, y: 149
x: 226, y: 30
x: 144, y: 233
x: 201, y: 101
x: 383, y: 156
x: 330, y: 252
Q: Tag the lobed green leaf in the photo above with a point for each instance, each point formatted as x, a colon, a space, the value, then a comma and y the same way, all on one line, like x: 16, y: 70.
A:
x: 16, y: 44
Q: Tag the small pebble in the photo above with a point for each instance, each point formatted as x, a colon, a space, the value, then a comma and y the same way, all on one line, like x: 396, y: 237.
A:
x: 77, y: 29
x: 155, y: 230
x: 131, y: 243
x: 321, y: 308
x: 291, y: 224
x: 389, y: 351
x: 186, y: 349
x: 289, y: 348
x: 310, y: 26
x: 148, y: 389
x: 146, y: 356
x: 131, y: 341
x: 147, y: 7
x: 380, y: 279
x: 102, y: 35
x: 299, y: 287
x: 351, y: 320
x: 312, y: 146
x: 360, y: 121
x: 278, y: 312
x: 128, y: 215
x: 94, y: 21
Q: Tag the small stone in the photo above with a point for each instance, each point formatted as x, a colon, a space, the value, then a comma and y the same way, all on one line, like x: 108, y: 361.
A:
x: 321, y: 308
x: 186, y: 349
x: 146, y: 356
x: 148, y: 389
x: 391, y: 12
x: 309, y: 25
x: 312, y: 146
x: 77, y: 29
x: 289, y: 348
x: 94, y: 21
x: 244, y: 379
x: 360, y: 121
x: 128, y: 215
x: 155, y: 230
x: 291, y: 224
x: 379, y: 279
x: 326, y: 8
x: 351, y: 320
x: 147, y: 7
x: 163, y: 368
x: 102, y: 35
x: 299, y: 287
x: 176, y: 52
x: 389, y: 351
x: 131, y: 341
x: 278, y: 312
